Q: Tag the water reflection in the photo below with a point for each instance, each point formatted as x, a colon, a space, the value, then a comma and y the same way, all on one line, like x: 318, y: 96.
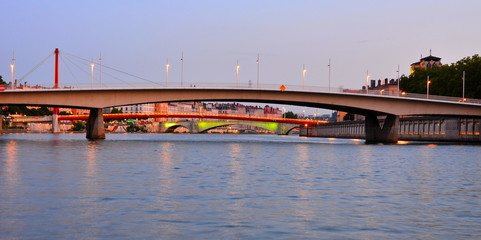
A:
x: 304, y: 185
x: 166, y: 166
x: 91, y: 167
x: 237, y: 187
x: 11, y: 168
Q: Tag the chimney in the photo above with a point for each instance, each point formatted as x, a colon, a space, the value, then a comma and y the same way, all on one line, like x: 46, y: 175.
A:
x: 373, y: 83
x: 385, y: 81
x: 379, y: 82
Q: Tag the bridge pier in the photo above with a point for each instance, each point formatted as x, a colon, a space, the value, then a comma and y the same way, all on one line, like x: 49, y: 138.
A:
x: 55, y: 125
x: 389, y: 132
x: 95, y: 124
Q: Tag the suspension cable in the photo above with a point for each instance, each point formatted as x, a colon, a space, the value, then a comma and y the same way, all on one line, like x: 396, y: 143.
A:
x: 126, y: 73
x: 71, y: 60
x: 66, y: 65
x: 35, y: 68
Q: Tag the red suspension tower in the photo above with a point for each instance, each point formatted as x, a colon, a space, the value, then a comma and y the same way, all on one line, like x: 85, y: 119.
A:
x: 55, y: 110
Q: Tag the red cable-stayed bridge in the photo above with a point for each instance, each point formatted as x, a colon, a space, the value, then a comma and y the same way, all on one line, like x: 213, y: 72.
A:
x: 196, y: 115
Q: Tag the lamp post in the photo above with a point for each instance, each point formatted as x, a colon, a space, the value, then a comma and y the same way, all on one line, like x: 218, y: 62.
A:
x: 92, y: 79
x: 182, y: 70
x: 463, y: 85
x: 367, y: 82
x: 428, y: 82
x: 329, y: 66
x: 167, y: 65
x: 100, y: 69
x: 257, y: 70
x: 398, y: 80
x: 12, y: 66
x: 303, y: 76
x: 283, y: 112
x: 237, y: 74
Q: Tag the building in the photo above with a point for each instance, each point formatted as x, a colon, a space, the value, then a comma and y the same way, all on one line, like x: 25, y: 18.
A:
x: 426, y: 62
x: 386, y: 87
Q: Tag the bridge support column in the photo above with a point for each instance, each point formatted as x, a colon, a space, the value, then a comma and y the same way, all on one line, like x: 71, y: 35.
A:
x: 55, y: 125
x: 387, y: 134
x: 95, y: 124
x: 193, y: 127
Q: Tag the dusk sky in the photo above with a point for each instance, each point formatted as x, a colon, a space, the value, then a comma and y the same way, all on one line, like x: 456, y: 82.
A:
x: 138, y: 36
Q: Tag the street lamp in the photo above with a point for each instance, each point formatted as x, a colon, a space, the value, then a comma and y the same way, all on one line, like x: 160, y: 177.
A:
x: 463, y: 85
x: 92, y: 79
x: 428, y: 82
x: 398, y: 80
x: 329, y: 66
x: 257, y: 70
x: 12, y: 66
x: 167, y: 65
x: 182, y: 70
x: 237, y: 75
x: 303, y: 75
x: 367, y: 82
x: 100, y: 61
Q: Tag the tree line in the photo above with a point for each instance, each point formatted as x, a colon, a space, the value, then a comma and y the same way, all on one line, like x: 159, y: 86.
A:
x: 447, y: 80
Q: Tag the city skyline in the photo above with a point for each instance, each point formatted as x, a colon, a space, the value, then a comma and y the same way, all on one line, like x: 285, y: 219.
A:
x: 138, y: 37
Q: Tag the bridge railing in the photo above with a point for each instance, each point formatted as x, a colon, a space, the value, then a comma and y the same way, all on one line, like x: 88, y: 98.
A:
x: 253, y: 85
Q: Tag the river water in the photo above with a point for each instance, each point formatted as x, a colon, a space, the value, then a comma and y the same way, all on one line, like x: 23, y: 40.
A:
x: 173, y: 186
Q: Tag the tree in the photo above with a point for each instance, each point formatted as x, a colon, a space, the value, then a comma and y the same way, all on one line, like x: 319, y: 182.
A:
x: 446, y: 80
x: 290, y: 114
x: 78, y: 126
x: 1, y: 81
x: 348, y: 117
x: 115, y: 110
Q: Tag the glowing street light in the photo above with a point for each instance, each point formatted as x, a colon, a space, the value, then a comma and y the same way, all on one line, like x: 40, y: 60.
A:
x: 237, y: 75
x: 12, y: 66
x: 398, y: 80
x: 303, y: 76
x: 92, y: 67
x: 367, y: 82
x: 167, y: 65
x: 428, y: 82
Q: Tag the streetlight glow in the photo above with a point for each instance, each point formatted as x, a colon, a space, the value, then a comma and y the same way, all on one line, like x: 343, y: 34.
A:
x: 167, y: 73
x: 12, y: 66
x: 237, y: 74
x: 303, y: 76
x: 92, y: 79
x: 367, y: 82
x: 428, y: 82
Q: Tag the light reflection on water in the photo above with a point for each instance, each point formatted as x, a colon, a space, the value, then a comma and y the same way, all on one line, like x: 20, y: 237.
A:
x: 151, y: 186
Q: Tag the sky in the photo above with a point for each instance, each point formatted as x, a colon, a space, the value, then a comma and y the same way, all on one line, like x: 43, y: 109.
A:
x: 138, y: 37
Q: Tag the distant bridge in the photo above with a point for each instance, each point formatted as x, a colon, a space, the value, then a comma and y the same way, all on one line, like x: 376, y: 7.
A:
x: 363, y: 104
x: 281, y: 126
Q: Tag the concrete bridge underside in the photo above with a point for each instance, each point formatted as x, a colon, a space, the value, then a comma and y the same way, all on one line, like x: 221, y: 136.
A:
x: 367, y: 105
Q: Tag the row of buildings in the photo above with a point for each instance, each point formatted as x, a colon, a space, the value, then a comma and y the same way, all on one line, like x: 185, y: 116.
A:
x: 201, y: 107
